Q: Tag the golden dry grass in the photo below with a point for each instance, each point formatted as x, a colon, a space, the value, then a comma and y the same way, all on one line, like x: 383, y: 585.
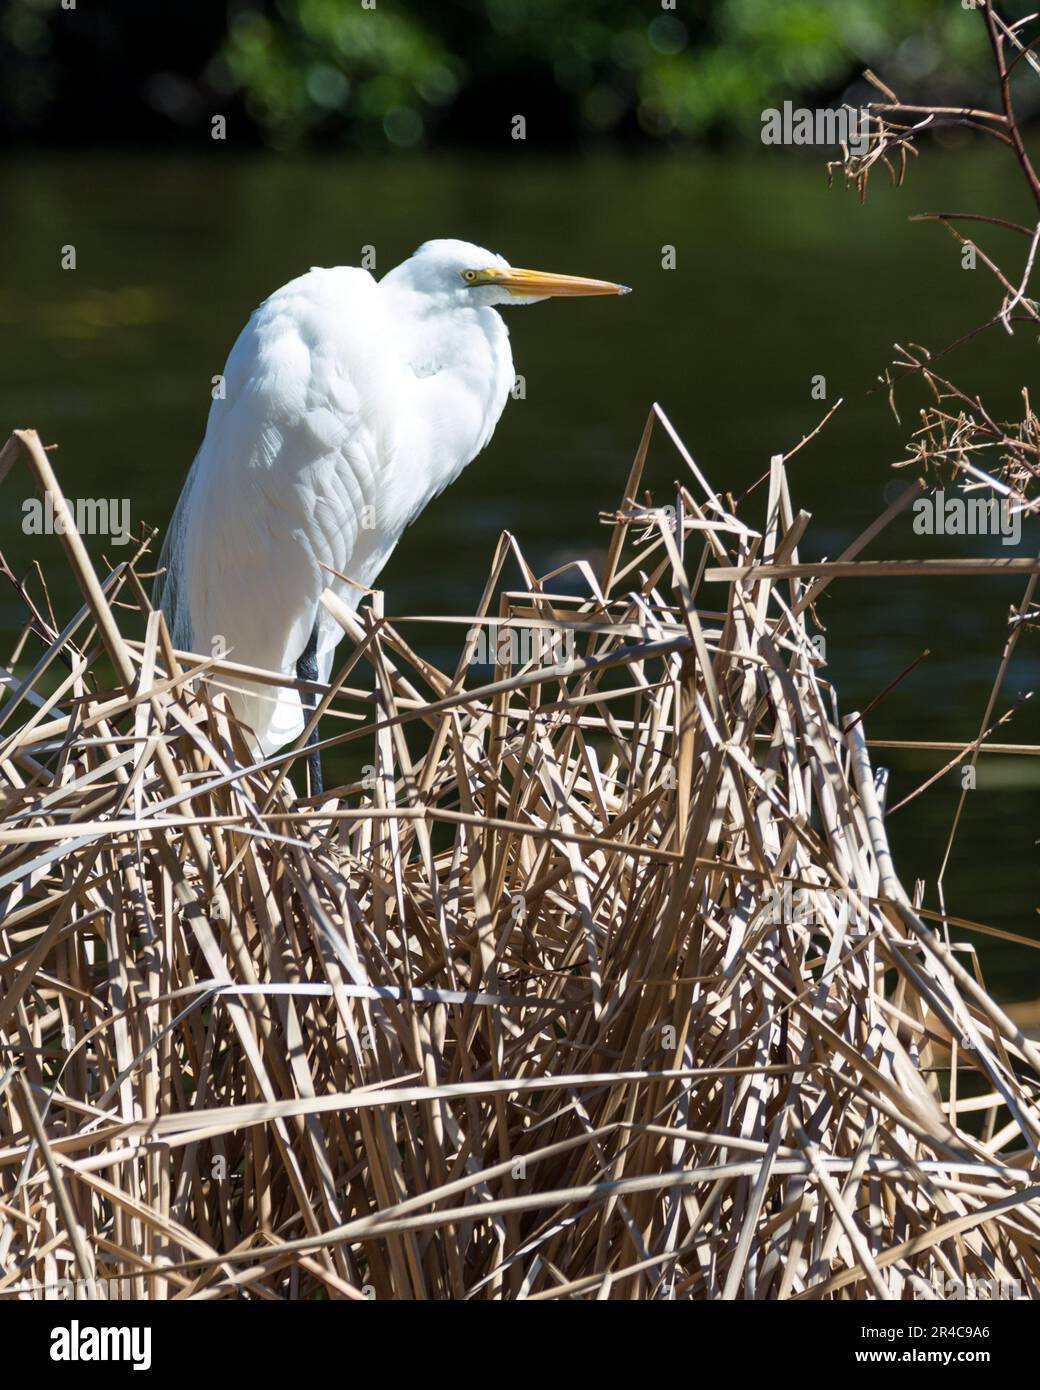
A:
x: 600, y: 983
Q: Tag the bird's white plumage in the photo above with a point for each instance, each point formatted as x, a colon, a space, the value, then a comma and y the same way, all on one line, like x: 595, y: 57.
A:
x: 348, y: 404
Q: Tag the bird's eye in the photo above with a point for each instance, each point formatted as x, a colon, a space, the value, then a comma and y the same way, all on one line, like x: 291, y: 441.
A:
x: 469, y: 276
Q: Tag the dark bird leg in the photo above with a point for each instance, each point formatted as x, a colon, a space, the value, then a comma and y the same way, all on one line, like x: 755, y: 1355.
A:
x: 307, y: 670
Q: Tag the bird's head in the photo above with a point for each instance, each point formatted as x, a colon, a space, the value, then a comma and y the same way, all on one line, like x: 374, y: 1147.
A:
x: 466, y: 275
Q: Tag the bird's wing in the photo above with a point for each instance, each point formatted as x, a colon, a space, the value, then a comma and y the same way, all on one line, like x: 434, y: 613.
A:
x: 288, y: 478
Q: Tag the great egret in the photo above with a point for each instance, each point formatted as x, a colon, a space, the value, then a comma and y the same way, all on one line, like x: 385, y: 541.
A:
x: 347, y: 404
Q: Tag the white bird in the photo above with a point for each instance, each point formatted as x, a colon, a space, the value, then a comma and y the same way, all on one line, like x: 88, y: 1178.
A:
x: 347, y: 405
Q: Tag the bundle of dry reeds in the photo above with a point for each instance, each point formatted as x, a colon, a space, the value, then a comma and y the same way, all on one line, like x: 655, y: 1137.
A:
x: 598, y: 983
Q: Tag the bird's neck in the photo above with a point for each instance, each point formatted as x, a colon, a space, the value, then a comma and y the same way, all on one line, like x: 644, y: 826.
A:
x: 460, y: 375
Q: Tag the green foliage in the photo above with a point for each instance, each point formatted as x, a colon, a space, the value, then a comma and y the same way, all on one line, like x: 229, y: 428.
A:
x: 320, y: 65
x: 326, y: 68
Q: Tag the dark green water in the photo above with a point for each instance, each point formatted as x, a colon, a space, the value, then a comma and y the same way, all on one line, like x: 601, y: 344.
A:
x: 777, y: 279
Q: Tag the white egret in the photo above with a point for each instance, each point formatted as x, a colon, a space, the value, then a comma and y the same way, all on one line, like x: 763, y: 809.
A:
x: 347, y: 405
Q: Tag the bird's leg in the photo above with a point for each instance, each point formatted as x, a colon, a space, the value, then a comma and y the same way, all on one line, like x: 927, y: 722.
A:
x: 307, y: 670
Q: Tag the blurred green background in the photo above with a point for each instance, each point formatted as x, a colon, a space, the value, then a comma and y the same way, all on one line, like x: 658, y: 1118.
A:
x: 351, y: 128
x: 365, y: 73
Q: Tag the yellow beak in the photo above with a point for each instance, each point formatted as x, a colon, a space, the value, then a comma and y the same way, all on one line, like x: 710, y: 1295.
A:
x: 543, y: 283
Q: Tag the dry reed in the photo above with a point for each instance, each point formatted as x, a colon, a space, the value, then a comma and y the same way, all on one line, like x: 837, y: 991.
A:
x: 600, y: 982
